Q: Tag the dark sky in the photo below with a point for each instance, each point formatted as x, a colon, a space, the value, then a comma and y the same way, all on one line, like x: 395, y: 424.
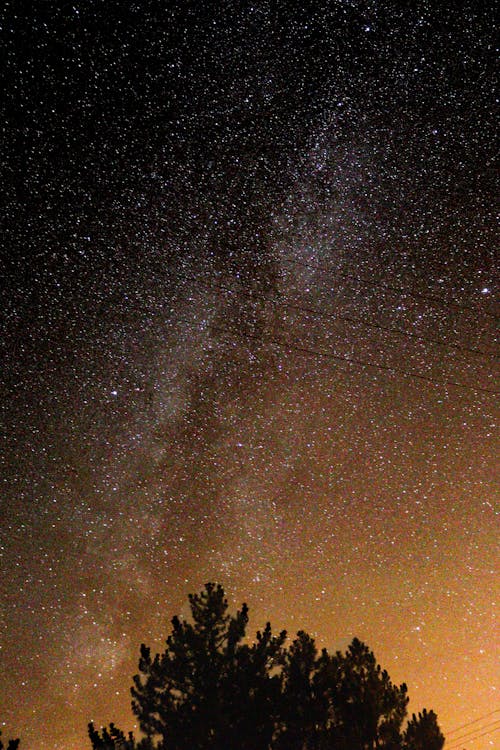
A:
x: 247, y: 335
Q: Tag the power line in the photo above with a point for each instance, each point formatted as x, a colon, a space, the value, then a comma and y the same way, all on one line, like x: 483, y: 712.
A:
x: 330, y: 355
x: 369, y: 324
x: 474, y: 721
x: 397, y: 331
x: 471, y: 736
x: 357, y: 362
x: 366, y: 282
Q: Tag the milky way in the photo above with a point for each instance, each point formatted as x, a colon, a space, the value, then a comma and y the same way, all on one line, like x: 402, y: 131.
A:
x: 248, y: 335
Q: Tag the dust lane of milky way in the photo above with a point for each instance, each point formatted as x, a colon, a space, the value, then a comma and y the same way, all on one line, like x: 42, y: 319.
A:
x: 248, y: 335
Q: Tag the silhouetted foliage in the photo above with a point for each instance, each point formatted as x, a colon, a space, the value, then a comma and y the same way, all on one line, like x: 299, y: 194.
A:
x: 365, y: 709
x: 114, y: 739
x: 303, y: 707
x: 208, y: 689
x: 212, y: 690
x: 13, y: 744
x: 423, y: 733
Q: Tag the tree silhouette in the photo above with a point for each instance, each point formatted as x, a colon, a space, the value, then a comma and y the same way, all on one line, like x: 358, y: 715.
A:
x: 365, y: 710
x: 13, y: 744
x: 303, y: 707
x: 208, y: 689
x: 423, y: 733
x: 212, y: 690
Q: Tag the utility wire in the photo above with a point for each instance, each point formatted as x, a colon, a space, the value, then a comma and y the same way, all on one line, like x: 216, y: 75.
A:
x: 472, y: 736
x: 369, y: 324
x: 366, y: 282
x: 354, y: 361
x: 474, y: 721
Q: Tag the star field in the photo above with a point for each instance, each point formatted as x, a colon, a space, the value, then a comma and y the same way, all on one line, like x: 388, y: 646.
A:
x: 249, y: 334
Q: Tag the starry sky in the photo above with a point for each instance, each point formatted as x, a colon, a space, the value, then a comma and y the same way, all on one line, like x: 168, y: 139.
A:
x: 248, y: 335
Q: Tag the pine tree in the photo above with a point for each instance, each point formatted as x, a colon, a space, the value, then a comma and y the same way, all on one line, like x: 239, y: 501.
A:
x: 303, y: 709
x: 208, y: 689
x: 365, y: 709
x: 13, y: 744
x: 423, y: 732
x: 213, y: 690
x: 114, y: 739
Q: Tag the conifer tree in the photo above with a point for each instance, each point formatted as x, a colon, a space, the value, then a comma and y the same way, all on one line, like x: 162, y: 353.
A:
x: 211, y: 689
x: 13, y: 744
x: 423, y: 732
x: 208, y: 689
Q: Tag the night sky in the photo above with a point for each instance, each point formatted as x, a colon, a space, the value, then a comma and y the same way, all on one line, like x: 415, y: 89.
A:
x: 248, y: 334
